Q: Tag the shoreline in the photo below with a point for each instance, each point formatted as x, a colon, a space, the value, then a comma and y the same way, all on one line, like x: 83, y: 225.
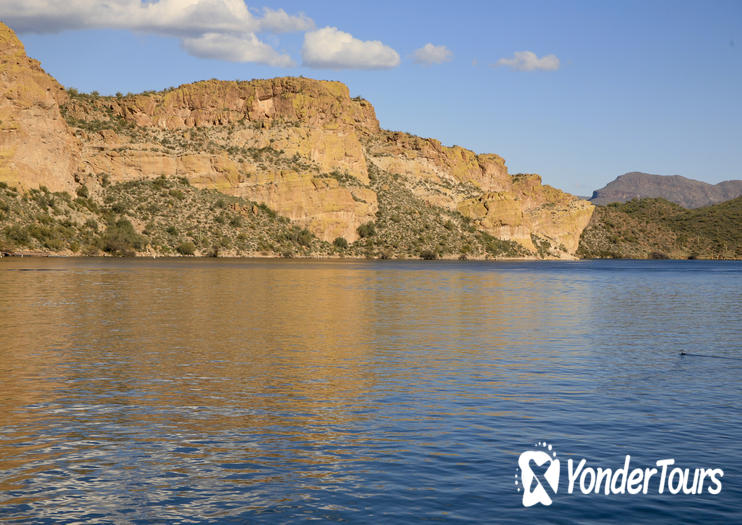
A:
x: 46, y: 255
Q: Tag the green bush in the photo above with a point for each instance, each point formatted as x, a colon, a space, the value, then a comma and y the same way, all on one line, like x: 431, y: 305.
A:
x: 305, y: 237
x: 366, y: 230
x: 18, y: 234
x: 121, y: 239
x: 83, y: 192
x: 272, y: 214
x: 340, y: 243
x: 186, y: 248
x: 177, y: 194
x: 160, y: 182
x: 118, y: 207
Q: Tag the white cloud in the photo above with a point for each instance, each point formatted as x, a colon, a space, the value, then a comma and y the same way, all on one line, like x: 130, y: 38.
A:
x: 279, y: 21
x: 223, y: 29
x: 529, y: 61
x: 331, y: 48
x: 247, y: 48
x: 430, y: 54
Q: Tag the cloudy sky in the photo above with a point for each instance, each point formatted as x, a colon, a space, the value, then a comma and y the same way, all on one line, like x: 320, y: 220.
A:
x: 579, y: 92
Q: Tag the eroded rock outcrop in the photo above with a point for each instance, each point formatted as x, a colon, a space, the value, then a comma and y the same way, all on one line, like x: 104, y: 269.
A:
x: 36, y: 145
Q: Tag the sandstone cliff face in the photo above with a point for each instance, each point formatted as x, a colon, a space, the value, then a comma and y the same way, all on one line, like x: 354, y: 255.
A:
x: 36, y: 146
x: 273, y: 141
x: 303, y: 147
x: 541, y: 218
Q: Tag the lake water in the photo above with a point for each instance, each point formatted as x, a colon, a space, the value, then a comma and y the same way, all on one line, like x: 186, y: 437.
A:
x: 282, y: 391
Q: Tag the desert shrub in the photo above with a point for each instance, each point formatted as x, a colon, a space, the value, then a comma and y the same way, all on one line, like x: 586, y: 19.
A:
x: 160, y: 182
x: 83, y: 192
x: 121, y: 239
x: 304, y: 237
x: 428, y: 255
x: 366, y: 230
x: 186, y: 248
x: 272, y: 214
x: 18, y: 234
x: 88, y: 204
x: 118, y: 207
x: 340, y: 243
x: 177, y: 194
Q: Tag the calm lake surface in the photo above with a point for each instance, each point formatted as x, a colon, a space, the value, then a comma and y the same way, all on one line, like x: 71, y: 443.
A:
x: 282, y: 391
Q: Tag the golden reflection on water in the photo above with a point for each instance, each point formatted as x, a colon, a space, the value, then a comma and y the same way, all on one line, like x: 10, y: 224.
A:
x: 220, y: 330
x: 278, y: 354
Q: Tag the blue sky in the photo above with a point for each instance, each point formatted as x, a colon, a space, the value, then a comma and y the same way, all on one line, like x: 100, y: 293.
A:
x: 614, y: 86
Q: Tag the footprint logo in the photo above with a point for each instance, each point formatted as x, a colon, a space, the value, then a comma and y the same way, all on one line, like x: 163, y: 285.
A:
x: 539, y: 475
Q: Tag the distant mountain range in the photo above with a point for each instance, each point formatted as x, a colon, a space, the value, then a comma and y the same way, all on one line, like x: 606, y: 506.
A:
x: 688, y: 193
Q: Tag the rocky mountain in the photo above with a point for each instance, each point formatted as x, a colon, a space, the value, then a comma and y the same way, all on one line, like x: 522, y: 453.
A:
x: 301, y: 148
x: 686, y: 192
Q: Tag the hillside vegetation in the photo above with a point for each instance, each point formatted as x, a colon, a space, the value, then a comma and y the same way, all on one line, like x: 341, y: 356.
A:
x: 169, y: 217
x: 656, y: 228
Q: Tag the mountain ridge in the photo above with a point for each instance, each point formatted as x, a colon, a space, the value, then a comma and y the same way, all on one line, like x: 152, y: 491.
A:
x: 689, y: 193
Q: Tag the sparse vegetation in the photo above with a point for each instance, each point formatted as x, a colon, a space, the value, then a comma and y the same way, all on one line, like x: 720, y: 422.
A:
x: 162, y: 216
x: 656, y: 228
x: 366, y: 230
x: 407, y: 226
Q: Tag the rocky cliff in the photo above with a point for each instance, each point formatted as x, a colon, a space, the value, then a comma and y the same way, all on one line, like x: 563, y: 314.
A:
x: 302, y: 147
x: 36, y: 145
